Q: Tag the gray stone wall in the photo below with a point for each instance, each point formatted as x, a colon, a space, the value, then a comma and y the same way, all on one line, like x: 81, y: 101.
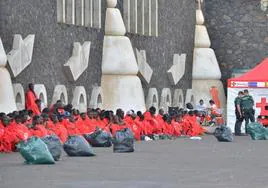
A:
x: 54, y: 43
x: 239, y: 33
x: 176, y: 35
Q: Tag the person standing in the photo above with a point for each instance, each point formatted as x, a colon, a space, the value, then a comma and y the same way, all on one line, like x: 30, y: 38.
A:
x: 30, y: 99
x: 238, y: 113
x: 247, y: 104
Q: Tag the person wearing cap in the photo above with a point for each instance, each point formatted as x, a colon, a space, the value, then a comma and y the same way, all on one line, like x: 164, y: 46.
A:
x: 247, y: 103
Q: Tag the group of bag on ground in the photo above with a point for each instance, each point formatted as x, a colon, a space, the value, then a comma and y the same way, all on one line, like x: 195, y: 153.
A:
x: 47, y: 150
x: 256, y: 131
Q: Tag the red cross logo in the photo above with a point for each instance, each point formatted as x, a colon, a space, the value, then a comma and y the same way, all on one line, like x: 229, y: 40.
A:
x: 262, y: 105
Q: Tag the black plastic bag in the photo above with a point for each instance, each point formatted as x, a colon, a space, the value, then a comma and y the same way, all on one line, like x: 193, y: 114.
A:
x: 35, y: 151
x: 54, y: 146
x: 224, y: 134
x: 189, y: 106
x: 77, y: 146
x: 99, y: 138
x: 124, y: 141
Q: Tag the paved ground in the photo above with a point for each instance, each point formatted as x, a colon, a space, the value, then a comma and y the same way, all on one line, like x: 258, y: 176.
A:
x: 181, y: 163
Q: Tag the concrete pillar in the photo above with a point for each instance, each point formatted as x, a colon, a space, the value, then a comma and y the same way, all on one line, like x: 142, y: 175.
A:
x: 166, y: 99
x: 19, y: 95
x: 70, y: 11
x: 60, y: 93
x: 80, y: 99
x: 41, y: 93
x: 79, y: 12
x: 147, y: 17
x: 154, y: 18
x: 97, y: 14
x: 61, y: 11
x: 126, y: 15
x: 133, y: 16
x: 7, y: 99
x: 140, y: 17
x: 178, y: 98
x: 152, y: 99
x: 88, y: 16
x: 190, y: 98
x: 96, y: 98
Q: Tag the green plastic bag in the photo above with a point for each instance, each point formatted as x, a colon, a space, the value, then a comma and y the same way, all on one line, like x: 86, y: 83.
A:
x: 256, y: 131
x: 35, y: 151
x: 164, y: 137
x: 156, y: 137
x: 265, y: 133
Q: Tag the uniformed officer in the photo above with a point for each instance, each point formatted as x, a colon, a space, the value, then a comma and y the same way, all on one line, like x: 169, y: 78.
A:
x: 238, y: 113
x: 247, y: 104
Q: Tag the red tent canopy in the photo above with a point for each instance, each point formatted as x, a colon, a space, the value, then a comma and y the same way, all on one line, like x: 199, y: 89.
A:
x: 257, y: 77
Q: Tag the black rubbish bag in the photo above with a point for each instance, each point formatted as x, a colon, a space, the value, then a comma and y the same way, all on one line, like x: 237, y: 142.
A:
x: 123, y: 141
x: 189, y: 106
x: 77, y: 146
x: 256, y: 131
x: 99, y: 138
x: 35, y: 151
x: 54, y: 146
x: 224, y: 134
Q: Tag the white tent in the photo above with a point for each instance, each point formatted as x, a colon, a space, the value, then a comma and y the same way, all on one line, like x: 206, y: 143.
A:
x: 256, y: 81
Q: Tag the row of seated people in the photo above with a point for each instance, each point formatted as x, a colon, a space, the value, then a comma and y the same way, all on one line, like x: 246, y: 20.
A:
x: 19, y: 126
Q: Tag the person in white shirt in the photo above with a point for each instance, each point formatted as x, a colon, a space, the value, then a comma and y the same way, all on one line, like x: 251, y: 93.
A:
x: 201, y: 106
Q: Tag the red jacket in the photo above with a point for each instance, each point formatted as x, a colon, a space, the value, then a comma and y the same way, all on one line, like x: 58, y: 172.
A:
x: 39, y: 131
x: 30, y: 99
